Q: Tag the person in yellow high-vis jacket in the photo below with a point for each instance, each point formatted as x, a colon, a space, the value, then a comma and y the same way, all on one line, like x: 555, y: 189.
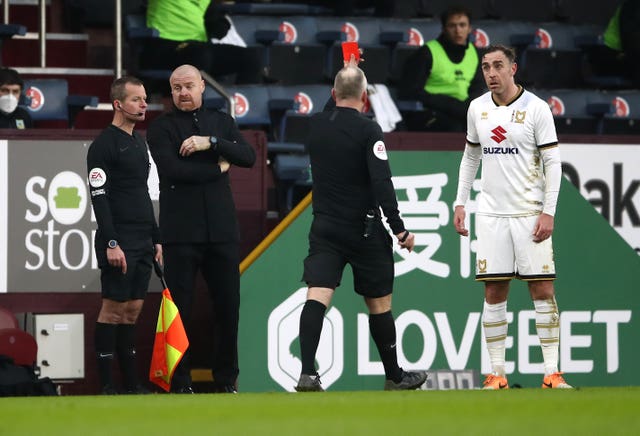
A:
x: 444, y: 75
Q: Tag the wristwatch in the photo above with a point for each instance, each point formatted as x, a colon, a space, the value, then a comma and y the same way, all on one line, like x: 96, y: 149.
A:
x: 112, y: 243
x: 214, y: 142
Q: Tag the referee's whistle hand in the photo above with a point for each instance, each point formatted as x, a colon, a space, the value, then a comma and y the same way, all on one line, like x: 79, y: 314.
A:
x: 116, y: 258
x: 409, y: 242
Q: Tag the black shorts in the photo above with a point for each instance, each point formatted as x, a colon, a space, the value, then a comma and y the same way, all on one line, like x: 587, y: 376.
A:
x: 333, y: 245
x: 130, y: 286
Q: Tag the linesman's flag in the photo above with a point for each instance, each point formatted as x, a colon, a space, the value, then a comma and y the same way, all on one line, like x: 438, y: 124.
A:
x: 170, y: 343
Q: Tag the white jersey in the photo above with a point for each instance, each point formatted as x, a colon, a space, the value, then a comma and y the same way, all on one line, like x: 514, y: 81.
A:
x: 511, y: 138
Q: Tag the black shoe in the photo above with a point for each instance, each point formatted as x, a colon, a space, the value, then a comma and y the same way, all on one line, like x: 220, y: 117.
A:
x: 109, y: 390
x: 409, y: 381
x: 138, y: 390
x: 309, y: 383
x: 225, y: 389
x: 183, y: 390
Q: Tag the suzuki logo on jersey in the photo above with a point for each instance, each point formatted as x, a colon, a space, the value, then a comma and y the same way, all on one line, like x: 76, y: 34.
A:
x: 498, y: 134
x: 500, y: 150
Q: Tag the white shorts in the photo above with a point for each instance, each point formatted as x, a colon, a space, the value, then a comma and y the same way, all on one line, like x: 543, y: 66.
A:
x: 506, y: 250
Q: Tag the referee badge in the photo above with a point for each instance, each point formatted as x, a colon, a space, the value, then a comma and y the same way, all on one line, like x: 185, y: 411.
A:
x: 97, y: 177
x: 380, y: 151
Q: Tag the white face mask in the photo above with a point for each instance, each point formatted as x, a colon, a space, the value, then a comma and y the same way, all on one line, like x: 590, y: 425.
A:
x: 8, y: 103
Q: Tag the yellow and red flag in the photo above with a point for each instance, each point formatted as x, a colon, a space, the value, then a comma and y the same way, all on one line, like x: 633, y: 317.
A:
x: 170, y: 343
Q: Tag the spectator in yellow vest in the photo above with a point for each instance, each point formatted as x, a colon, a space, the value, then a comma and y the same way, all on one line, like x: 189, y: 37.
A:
x: 444, y: 75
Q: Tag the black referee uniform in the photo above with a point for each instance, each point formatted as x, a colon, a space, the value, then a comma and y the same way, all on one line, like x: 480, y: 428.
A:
x: 351, y: 178
x: 118, y: 165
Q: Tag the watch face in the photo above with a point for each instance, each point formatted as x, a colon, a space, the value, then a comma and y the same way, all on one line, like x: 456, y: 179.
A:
x: 113, y: 243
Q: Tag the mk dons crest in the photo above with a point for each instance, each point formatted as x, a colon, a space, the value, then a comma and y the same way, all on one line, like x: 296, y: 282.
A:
x: 482, y: 266
x: 519, y: 117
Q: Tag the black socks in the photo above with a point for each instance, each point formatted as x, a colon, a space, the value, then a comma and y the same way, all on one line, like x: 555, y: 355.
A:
x: 310, y: 328
x: 105, y: 344
x: 383, y: 332
x: 126, y: 351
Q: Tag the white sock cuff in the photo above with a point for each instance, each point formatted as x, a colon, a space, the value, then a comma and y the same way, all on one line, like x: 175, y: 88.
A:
x: 495, y: 312
x: 546, y: 306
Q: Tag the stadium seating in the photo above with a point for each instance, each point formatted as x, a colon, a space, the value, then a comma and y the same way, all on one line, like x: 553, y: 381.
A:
x: 414, y: 34
x: 556, y: 60
x: 19, y: 345
x: 625, y: 117
x: 50, y: 104
x: 365, y: 31
x: 7, y: 319
x: 576, y: 110
x: 298, y: 58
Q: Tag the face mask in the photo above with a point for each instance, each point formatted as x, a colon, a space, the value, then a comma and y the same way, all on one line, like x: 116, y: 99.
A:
x: 8, y: 103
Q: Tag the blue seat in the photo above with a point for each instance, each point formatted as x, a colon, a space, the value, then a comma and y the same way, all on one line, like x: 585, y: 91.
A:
x: 556, y: 59
x: 365, y: 31
x: 624, y: 119
x: 138, y: 35
x: 511, y: 33
x: 414, y: 32
x: 576, y: 111
x: 299, y: 58
x: 251, y: 105
x: 49, y: 100
x: 291, y: 107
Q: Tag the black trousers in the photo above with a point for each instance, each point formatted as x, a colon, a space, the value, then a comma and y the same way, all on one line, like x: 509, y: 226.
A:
x: 219, y: 264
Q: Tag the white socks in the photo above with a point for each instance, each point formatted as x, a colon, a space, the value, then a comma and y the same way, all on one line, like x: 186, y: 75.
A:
x: 494, y: 322
x: 548, y: 327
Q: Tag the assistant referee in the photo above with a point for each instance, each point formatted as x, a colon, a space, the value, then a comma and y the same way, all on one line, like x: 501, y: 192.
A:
x: 351, y: 183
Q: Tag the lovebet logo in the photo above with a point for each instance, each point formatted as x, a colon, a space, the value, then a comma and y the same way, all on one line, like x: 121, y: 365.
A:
x: 284, y: 366
x: 57, y: 208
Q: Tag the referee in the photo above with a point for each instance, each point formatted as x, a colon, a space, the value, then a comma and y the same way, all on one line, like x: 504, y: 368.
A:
x: 118, y: 166
x: 351, y: 183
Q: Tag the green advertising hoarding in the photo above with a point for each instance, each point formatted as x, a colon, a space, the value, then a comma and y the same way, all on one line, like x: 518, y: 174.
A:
x: 437, y: 304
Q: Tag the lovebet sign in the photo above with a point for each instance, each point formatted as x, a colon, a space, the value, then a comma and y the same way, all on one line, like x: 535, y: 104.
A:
x: 437, y: 304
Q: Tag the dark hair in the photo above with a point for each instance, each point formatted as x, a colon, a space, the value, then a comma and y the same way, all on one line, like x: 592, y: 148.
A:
x: 509, y: 52
x: 118, y: 91
x: 454, y: 10
x: 9, y: 76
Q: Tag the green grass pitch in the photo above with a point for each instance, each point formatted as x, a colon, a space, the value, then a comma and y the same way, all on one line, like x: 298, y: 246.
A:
x: 587, y: 411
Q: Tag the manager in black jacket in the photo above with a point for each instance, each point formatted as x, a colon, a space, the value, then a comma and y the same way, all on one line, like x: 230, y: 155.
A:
x: 193, y: 149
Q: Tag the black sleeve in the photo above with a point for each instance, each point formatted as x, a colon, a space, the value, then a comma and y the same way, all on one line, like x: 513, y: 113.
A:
x: 215, y: 22
x: 380, y: 175
x: 99, y: 164
x: 234, y: 148
x: 169, y: 162
x: 414, y: 75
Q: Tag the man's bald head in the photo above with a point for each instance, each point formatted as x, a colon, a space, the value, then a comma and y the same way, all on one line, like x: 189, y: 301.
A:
x: 187, y: 87
x: 350, y: 83
x: 186, y: 70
